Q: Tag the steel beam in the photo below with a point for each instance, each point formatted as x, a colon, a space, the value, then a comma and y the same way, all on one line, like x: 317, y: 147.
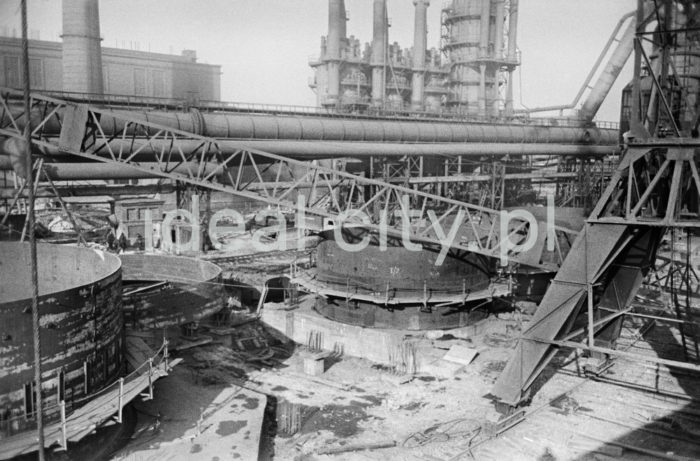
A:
x: 331, y: 193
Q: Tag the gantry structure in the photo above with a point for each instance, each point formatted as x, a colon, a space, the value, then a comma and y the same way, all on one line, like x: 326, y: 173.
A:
x: 654, y: 192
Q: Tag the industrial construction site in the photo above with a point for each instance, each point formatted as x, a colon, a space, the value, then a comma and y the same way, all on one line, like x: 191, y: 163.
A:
x: 417, y: 267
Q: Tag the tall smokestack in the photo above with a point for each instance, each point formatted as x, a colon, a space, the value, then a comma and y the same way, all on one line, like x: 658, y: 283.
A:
x: 379, y: 44
x: 483, y: 52
x: 498, y: 50
x: 82, y: 51
x: 512, y: 53
x: 336, y: 34
x: 420, y: 43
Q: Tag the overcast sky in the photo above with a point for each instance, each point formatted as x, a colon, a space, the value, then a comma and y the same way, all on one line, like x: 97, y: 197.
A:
x: 264, y: 46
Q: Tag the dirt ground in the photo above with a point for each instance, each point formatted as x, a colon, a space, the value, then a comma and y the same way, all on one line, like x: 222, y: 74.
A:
x: 356, y: 405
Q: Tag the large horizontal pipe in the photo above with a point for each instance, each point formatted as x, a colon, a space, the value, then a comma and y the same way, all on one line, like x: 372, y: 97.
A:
x: 68, y: 171
x: 91, y: 190
x: 541, y: 176
x: 308, y: 150
x: 258, y: 127
x: 305, y: 128
x: 311, y: 149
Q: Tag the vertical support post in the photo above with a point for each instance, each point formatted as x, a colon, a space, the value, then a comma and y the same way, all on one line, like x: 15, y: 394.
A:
x: 589, y: 294
x: 635, y: 121
x: 64, y: 429
x: 347, y: 291
x: 493, y: 185
x: 85, y: 377
x: 150, y: 378
x: 32, y: 236
x: 148, y: 231
x: 165, y: 353
x: 121, y: 400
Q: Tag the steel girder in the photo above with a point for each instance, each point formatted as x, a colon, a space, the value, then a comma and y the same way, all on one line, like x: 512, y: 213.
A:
x: 653, y: 188
x: 656, y: 186
x: 331, y: 193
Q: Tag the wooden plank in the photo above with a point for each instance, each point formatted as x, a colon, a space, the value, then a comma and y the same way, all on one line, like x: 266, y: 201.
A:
x: 85, y: 419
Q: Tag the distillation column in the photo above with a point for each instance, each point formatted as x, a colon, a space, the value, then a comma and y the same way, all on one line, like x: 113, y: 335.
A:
x: 420, y: 44
x: 475, y: 34
x: 82, y: 52
x: 336, y: 35
x: 379, y: 46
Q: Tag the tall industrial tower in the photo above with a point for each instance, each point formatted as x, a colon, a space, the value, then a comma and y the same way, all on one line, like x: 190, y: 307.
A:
x: 478, y: 39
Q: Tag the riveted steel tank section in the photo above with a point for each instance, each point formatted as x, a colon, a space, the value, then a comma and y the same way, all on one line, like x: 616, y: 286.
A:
x: 81, y: 327
x: 394, y: 287
x: 192, y: 290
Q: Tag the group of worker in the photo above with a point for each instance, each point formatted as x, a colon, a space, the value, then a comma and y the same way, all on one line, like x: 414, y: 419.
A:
x: 121, y: 243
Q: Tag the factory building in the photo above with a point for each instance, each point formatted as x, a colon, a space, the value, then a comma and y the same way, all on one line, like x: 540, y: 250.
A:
x: 124, y: 72
x: 469, y: 74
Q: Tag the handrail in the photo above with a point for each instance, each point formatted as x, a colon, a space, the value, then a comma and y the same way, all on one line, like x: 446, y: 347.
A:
x: 155, y: 360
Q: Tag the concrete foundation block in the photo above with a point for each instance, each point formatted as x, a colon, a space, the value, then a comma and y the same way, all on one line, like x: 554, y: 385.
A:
x: 460, y: 354
x: 315, y: 364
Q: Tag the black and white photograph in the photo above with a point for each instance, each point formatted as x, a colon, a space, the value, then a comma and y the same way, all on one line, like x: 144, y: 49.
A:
x: 363, y: 230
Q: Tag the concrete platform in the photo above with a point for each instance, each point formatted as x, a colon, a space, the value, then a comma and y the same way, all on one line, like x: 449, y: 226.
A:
x: 407, y: 350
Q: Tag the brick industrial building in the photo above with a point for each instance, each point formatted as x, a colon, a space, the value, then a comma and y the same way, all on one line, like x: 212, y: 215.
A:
x: 125, y: 72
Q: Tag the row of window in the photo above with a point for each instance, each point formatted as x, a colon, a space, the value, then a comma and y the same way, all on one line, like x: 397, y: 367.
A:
x: 139, y: 214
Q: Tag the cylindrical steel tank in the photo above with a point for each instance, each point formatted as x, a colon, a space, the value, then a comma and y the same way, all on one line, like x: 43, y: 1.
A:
x: 82, y: 52
x: 393, y: 284
x: 192, y: 290
x: 81, y: 328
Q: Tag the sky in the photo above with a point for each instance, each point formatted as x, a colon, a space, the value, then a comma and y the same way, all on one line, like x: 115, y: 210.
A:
x: 264, y: 46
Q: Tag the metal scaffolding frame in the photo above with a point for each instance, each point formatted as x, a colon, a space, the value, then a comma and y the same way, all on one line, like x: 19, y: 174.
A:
x: 656, y: 187
x: 256, y: 175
